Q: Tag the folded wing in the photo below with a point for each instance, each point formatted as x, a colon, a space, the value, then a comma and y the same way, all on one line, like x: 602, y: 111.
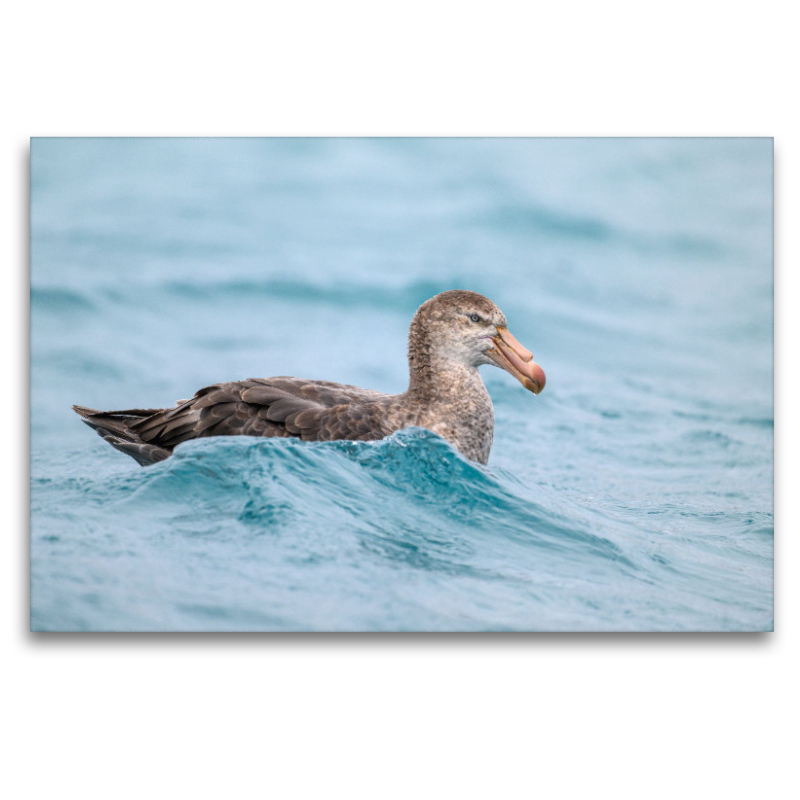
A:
x: 272, y: 407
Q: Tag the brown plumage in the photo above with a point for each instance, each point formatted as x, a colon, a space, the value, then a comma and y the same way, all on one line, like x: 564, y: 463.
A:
x: 451, y: 335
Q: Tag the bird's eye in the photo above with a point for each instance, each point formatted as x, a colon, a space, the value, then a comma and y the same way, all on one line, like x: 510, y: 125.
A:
x: 474, y: 317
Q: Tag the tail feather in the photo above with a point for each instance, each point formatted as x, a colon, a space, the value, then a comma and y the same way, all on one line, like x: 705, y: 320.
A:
x: 114, y: 428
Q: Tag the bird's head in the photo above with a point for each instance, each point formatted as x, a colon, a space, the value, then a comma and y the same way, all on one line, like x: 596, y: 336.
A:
x: 468, y: 328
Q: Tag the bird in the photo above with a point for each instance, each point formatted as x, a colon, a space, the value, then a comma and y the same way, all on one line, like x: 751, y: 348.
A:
x: 450, y: 336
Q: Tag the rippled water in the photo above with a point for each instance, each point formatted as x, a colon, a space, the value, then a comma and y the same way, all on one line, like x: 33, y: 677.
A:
x: 634, y: 493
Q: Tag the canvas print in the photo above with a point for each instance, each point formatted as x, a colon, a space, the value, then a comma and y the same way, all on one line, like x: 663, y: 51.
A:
x: 375, y: 385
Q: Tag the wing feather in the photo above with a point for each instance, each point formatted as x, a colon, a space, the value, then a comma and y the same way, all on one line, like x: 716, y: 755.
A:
x: 271, y: 407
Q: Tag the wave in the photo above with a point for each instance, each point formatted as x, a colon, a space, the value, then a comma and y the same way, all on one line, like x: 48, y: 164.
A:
x: 330, y: 294
x: 325, y: 535
x: 212, y: 291
x: 61, y: 300
x: 558, y: 224
x: 409, y: 493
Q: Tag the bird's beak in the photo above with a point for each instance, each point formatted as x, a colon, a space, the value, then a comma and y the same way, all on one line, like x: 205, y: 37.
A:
x: 509, y: 354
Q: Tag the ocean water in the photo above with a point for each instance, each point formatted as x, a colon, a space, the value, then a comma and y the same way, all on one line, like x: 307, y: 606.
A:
x: 634, y: 494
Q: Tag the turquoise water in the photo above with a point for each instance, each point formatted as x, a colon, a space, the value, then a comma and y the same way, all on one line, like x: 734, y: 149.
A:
x: 635, y: 493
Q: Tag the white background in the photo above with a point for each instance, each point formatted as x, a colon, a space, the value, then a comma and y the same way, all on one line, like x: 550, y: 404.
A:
x: 396, y: 716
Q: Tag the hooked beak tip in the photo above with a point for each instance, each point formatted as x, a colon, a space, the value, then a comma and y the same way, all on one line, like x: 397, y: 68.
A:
x: 509, y: 354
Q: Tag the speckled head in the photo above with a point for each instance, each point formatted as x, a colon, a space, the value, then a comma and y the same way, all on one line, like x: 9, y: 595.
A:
x: 466, y: 329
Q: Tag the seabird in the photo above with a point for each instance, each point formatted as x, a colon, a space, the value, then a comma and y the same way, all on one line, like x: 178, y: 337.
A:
x: 451, y: 335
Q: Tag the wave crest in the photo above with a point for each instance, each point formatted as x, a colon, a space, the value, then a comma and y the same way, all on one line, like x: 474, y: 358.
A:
x: 410, y: 492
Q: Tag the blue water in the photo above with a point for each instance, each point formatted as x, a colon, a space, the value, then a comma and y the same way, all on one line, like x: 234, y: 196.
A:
x: 634, y: 494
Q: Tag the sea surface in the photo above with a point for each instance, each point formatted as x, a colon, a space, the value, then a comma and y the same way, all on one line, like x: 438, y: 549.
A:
x: 634, y: 494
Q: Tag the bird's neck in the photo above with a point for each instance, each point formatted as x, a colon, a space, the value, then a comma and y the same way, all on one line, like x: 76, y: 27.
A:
x: 434, y: 378
x: 434, y: 374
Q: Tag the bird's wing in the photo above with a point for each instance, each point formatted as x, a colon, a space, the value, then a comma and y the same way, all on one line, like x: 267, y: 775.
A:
x: 271, y: 407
